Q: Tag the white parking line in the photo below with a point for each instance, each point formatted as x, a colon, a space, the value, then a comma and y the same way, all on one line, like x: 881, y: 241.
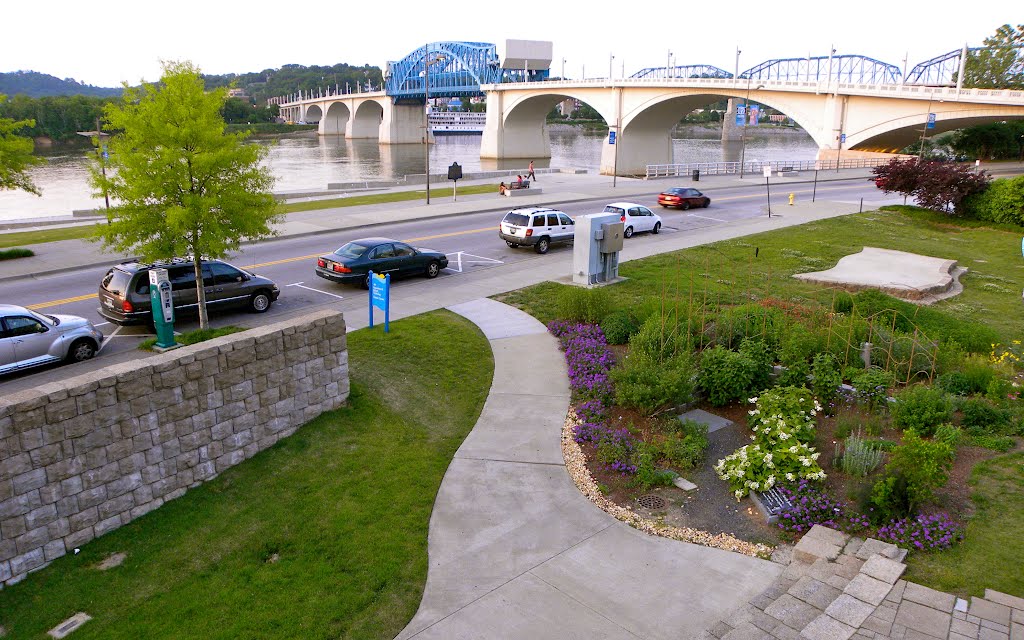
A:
x: 694, y: 215
x: 106, y: 339
x: 100, y: 324
x: 460, y: 261
x: 302, y: 286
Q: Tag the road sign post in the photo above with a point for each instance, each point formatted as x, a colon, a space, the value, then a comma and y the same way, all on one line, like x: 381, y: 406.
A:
x: 380, y: 297
x: 768, y: 174
x: 454, y: 173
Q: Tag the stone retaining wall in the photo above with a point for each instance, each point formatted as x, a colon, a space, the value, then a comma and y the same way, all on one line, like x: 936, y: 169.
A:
x: 83, y: 457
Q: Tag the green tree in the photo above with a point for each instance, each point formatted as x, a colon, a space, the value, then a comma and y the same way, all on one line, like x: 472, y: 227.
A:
x: 16, y: 155
x: 1000, y: 65
x: 182, y: 185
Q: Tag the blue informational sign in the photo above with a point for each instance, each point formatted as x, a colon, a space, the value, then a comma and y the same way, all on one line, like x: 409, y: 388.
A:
x: 842, y: 137
x: 741, y: 114
x: 380, y: 297
x: 611, y: 137
x: 931, y: 120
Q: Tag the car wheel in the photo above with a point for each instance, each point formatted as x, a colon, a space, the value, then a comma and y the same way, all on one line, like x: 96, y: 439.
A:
x: 663, y: 206
x: 433, y: 269
x: 707, y: 203
x: 542, y: 246
x: 259, y: 302
x: 365, y: 282
x: 81, y: 350
x: 512, y: 245
x: 628, y: 233
x: 685, y: 205
x: 657, y: 228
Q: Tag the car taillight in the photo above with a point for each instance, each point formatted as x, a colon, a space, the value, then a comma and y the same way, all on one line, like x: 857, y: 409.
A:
x: 340, y: 268
x: 127, y: 307
x: 623, y: 218
x: 529, y: 232
x: 320, y: 262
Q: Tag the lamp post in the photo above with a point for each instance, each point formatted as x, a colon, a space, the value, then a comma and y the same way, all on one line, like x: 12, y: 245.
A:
x: 611, y: 59
x: 736, y: 76
x: 426, y: 110
x: 668, y: 65
x: 743, y: 131
x: 924, y: 131
x: 563, y: 68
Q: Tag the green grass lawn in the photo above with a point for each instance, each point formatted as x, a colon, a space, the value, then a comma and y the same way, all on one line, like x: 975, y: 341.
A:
x: 322, y: 536
x: 22, y: 238
x: 990, y: 556
x: 761, y: 266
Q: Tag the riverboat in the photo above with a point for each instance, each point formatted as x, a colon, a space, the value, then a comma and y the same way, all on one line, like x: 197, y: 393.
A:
x: 447, y: 123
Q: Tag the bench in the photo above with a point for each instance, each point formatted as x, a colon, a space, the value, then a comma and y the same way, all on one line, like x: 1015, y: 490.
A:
x: 786, y: 171
x: 514, y: 185
x: 515, y: 193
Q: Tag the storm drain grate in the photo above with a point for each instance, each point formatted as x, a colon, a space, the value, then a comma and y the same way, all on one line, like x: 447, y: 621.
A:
x: 651, y: 502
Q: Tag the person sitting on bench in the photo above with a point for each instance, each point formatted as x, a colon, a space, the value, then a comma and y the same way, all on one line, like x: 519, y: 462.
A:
x: 519, y: 182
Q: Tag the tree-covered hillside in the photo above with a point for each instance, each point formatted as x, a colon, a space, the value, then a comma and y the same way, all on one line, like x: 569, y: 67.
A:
x: 37, y: 85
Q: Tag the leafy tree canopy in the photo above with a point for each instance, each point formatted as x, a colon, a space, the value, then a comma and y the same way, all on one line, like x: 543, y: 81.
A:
x: 16, y: 155
x: 1000, y: 65
x: 182, y: 186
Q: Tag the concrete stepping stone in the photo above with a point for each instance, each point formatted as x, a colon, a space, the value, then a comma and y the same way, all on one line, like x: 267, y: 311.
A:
x: 713, y: 422
x: 683, y: 483
x: 65, y: 628
x: 872, y: 546
x: 884, y: 569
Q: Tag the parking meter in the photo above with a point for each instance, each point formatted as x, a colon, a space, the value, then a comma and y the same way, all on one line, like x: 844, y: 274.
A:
x: 162, y: 304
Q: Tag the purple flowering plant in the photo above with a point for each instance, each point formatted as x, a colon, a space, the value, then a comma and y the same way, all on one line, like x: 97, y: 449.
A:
x: 812, y: 505
x: 589, y: 360
x: 923, y: 532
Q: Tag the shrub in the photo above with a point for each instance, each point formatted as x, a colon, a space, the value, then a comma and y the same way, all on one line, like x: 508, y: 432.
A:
x: 940, y: 186
x: 1001, y: 444
x: 647, y: 385
x: 619, y: 327
x: 825, y: 378
x: 647, y: 475
x: 583, y: 305
x: 921, y: 408
x: 725, y: 375
x: 871, y: 388
x: 813, y: 505
x: 685, y: 448
x: 972, y: 374
x: 859, y: 457
x: 949, y: 434
x: 734, y: 324
x: 791, y: 407
x: 661, y: 338
x: 760, y: 354
x: 923, y: 533
x: 11, y: 254
x: 917, y: 467
x: 978, y: 416
x: 1002, y: 202
x: 842, y: 302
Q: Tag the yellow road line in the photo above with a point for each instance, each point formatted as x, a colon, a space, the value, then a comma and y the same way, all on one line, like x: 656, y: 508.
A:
x: 492, y: 228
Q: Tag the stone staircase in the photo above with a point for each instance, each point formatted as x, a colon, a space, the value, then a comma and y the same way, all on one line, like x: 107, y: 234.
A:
x: 836, y: 587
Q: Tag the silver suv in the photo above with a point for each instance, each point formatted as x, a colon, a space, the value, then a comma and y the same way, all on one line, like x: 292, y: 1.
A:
x: 30, y: 339
x: 536, y: 227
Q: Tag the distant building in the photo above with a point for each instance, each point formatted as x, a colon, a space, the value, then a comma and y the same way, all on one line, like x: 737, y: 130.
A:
x: 237, y: 93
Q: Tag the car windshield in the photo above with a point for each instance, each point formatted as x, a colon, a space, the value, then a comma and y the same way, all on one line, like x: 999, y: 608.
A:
x: 517, y: 219
x: 618, y: 210
x: 676, y: 192
x: 351, y: 250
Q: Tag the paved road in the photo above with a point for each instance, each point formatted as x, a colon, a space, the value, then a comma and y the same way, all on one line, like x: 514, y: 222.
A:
x: 470, y: 240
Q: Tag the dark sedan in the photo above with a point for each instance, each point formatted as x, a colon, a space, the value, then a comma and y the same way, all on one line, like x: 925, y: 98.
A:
x: 353, y: 262
x: 683, y: 198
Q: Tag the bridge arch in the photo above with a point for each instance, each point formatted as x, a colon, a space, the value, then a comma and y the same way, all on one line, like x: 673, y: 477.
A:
x: 523, y: 123
x: 367, y: 119
x: 336, y: 119
x: 896, y: 134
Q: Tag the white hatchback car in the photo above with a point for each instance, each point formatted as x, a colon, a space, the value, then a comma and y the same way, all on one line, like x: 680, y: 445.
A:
x: 635, y: 217
x: 29, y: 339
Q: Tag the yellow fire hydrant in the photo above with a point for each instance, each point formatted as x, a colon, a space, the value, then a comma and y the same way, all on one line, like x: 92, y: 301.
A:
x: 792, y: 197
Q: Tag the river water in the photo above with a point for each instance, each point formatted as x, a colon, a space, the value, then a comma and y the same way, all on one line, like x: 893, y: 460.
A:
x: 309, y: 162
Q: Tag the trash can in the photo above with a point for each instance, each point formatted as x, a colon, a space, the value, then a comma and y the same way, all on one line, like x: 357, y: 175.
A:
x: 696, y: 175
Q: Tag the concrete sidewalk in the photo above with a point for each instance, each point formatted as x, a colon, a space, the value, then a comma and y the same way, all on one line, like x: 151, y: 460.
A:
x: 515, y: 551
x: 556, y: 189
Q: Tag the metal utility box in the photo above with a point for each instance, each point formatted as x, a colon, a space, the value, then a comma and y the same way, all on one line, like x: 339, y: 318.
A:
x: 596, y: 245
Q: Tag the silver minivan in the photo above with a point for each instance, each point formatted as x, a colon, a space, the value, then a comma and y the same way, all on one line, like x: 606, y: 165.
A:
x: 536, y: 227
x: 30, y: 339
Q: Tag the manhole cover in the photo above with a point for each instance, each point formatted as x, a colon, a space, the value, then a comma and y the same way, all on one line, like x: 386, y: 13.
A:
x: 651, y: 502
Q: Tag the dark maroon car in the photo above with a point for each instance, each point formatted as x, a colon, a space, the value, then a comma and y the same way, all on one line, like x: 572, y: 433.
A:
x: 683, y: 198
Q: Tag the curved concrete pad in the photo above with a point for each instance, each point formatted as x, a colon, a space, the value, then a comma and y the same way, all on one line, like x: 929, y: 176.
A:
x: 902, y: 274
x: 515, y: 551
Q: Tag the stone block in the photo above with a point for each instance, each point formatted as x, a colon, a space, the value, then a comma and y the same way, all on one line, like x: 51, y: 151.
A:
x: 53, y: 550
x: 1002, y: 598
x: 964, y: 628
x: 22, y: 564
x: 995, y: 626
x: 991, y: 634
x: 897, y: 592
x: 877, y: 625
x: 33, y: 539
x: 868, y: 589
x: 15, y: 465
x: 884, y: 569
x: 791, y: 611
x: 25, y: 482
x: 11, y: 528
x: 810, y: 549
x: 58, y: 528
x: 1016, y: 631
x: 746, y: 631
x: 929, y: 597
x: 849, y: 610
x: 923, y: 619
x: 872, y: 546
x: 108, y: 525
x: 814, y: 592
x: 118, y: 505
x: 826, y: 628
x: 40, y: 517
x: 988, y: 610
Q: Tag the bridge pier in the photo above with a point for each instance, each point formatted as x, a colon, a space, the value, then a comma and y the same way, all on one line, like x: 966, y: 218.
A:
x: 730, y: 131
x: 515, y: 137
x: 402, y: 124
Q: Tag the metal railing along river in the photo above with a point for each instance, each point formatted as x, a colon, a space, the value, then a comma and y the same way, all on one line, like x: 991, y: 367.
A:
x: 756, y: 167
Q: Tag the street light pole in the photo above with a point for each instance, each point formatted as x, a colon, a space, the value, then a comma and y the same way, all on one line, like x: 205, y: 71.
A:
x: 426, y: 114
x: 743, y: 131
x: 924, y: 131
x: 611, y: 59
x: 668, y: 65
x: 736, y: 76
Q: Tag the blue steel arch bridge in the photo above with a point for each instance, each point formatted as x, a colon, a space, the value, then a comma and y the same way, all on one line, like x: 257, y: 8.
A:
x: 458, y: 69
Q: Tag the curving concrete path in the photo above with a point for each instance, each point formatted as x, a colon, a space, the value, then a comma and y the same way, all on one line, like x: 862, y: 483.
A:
x: 515, y: 551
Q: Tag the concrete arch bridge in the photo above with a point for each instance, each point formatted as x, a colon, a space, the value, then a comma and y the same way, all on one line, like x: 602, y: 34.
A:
x: 848, y: 118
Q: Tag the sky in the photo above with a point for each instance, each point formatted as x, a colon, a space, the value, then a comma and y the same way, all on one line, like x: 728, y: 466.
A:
x: 132, y: 37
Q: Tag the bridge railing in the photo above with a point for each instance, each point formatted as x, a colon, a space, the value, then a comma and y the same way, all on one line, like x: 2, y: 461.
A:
x: 755, y: 167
